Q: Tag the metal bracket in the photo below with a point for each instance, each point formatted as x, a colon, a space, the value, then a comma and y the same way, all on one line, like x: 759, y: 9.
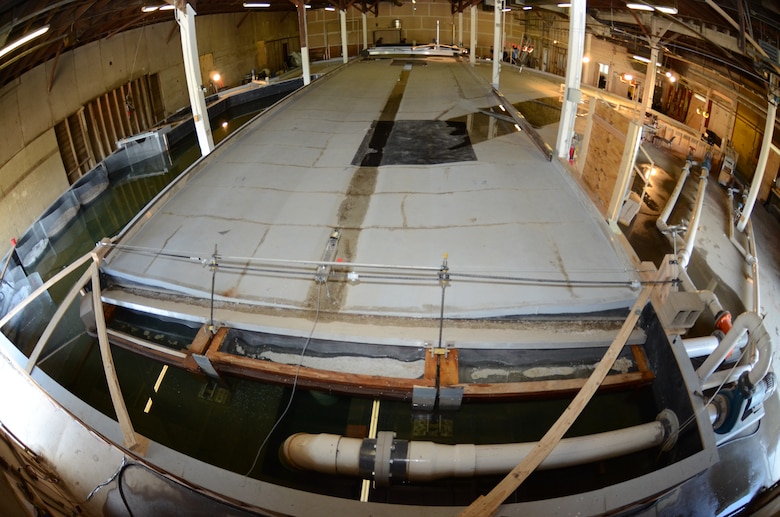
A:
x: 328, y: 255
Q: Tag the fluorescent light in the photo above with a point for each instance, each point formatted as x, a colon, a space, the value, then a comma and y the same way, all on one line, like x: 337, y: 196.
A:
x: 641, y: 7
x: 24, y: 39
x: 252, y: 5
x: 566, y: 4
x: 153, y: 8
x: 506, y: 9
x: 527, y: 7
x: 642, y: 59
x: 666, y: 10
x: 330, y: 8
x: 700, y: 97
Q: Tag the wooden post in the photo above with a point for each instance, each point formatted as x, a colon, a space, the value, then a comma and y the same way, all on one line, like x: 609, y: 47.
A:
x: 488, y: 504
x: 133, y: 441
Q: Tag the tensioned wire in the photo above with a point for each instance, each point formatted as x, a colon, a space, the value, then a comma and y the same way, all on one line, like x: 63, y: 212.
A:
x: 285, y: 267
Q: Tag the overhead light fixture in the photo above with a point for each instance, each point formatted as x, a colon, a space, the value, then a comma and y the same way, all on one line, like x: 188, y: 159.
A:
x: 330, y: 8
x: 566, y: 4
x: 256, y: 5
x: 650, y: 8
x: 527, y: 7
x: 642, y: 59
x: 506, y: 9
x: 24, y: 39
x: 700, y: 97
x: 586, y: 59
x: 153, y: 8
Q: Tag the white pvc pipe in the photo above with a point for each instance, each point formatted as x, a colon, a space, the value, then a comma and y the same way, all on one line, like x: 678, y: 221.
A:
x: 667, y: 211
x: 693, y: 226
x: 661, y: 222
x: 700, y: 346
x: 759, y: 338
x: 334, y: 454
x: 763, y: 157
x: 721, y: 378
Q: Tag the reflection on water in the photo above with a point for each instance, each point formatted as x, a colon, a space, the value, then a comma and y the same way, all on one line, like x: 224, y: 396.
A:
x: 493, y: 122
x: 541, y: 112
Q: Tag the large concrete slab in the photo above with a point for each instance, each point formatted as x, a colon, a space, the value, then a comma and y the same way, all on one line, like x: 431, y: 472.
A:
x: 269, y: 198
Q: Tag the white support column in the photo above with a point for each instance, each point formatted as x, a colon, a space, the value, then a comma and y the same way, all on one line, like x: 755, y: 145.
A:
x: 498, y: 52
x: 365, y: 31
x: 344, y: 47
x: 460, y: 28
x: 647, y: 100
x: 587, y: 74
x: 473, y: 36
x: 189, y: 47
x: 625, y: 173
x: 573, y: 94
x: 758, y: 175
x: 304, y: 35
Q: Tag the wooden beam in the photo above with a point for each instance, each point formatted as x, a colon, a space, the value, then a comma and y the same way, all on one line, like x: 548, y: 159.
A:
x: 58, y: 314
x: 488, y: 505
x: 45, y: 287
x: 132, y: 440
x: 54, y: 66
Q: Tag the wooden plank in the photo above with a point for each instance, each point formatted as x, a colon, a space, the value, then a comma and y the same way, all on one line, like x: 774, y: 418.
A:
x: 552, y: 387
x: 640, y: 358
x: 201, y: 342
x: 87, y: 141
x: 110, y: 118
x: 488, y: 504
x: 431, y: 360
x: 73, y: 152
x: 54, y: 321
x: 45, y: 287
x: 132, y: 440
x: 134, y: 112
x: 118, y: 110
x: 448, y: 368
x: 97, y: 133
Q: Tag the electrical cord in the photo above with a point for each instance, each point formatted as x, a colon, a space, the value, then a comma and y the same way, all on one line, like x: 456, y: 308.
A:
x: 294, y: 385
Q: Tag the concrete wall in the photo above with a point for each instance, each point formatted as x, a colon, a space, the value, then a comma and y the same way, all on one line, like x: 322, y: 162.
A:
x: 32, y: 174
